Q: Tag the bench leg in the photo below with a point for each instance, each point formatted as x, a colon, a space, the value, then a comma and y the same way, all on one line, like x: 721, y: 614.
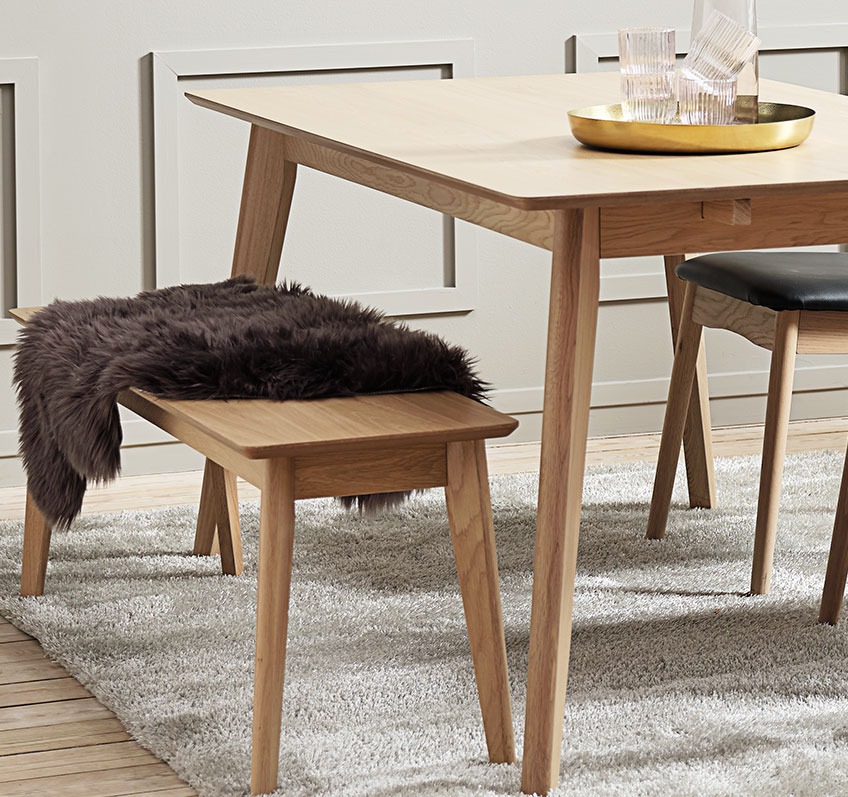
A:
x: 470, y: 513
x: 218, y: 528
x: 837, y: 561
x: 686, y: 354
x: 276, y: 542
x: 781, y: 376
x: 36, y: 547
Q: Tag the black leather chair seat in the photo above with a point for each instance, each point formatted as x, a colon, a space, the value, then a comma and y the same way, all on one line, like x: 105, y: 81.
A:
x: 779, y: 280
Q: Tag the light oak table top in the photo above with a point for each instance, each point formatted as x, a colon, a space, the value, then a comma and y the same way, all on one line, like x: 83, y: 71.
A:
x: 508, y: 139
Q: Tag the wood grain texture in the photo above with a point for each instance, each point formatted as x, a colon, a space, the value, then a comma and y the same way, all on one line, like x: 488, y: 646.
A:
x: 727, y: 211
x: 697, y: 433
x: 93, y: 758
x: 229, y: 524
x: 46, y: 691
x: 822, y: 332
x: 37, y: 533
x: 572, y: 322
x: 143, y: 779
x: 265, y: 204
x: 276, y: 541
x: 56, y: 713
x: 161, y: 413
x: 837, y: 560
x: 23, y: 314
x: 686, y: 353
x: 781, y: 377
x: 61, y: 735
x: 206, y: 528
x: 533, y: 227
x: 218, y: 525
x: 718, y: 311
x: 648, y: 228
x: 362, y: 472
x: 29, y: 671
x: 24, y: 650
x: 8, y: 633
x: 473, y: 538
x: 55, y: 738
x: 259, y: 429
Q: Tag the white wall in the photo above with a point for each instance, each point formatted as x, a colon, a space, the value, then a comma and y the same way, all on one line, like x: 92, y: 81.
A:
x: 96, y: 217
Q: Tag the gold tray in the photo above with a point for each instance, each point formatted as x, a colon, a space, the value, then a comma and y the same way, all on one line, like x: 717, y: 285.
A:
x: 779, y: 127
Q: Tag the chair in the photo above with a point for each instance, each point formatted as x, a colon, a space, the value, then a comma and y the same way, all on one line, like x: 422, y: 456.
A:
x: 786, y: 302
x: 327, y: 447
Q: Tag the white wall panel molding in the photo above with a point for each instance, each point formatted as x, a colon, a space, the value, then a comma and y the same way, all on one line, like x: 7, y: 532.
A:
x: 21, y: 75
x: 455, y: 58
x: 586, y: 52
x: 655, y: 391
x: 137, y: 432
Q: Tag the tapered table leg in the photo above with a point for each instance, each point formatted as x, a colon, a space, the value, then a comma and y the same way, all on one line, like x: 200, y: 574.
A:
x: 266, y: 199
x: 697, y: 435
x: 568, y: 381
x: 265, y: 204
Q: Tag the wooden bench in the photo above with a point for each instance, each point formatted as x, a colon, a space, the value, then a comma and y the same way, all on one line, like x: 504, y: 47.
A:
x: 331, y: 447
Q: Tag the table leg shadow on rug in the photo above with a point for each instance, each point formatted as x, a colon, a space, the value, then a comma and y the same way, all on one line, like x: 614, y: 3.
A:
x: 679, y: 683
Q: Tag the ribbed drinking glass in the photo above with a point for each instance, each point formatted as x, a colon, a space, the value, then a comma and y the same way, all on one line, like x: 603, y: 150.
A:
x: 705, y: 101
x: 646, y: 58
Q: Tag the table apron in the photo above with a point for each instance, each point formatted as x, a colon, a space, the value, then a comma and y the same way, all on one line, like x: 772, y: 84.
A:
x: 646, y: 228
x: 531, y: 226
x: 680, y: 227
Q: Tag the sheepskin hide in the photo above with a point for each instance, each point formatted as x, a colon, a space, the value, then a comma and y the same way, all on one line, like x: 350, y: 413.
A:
x: 233, y: 339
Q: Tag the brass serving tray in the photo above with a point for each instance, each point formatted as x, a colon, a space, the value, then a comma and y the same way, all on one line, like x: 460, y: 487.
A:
x: 780, y: 127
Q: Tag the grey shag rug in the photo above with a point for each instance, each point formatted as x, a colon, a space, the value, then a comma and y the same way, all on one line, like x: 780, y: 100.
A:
x: 679, y: 683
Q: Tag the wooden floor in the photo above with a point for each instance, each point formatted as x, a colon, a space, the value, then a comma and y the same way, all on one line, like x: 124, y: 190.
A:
x: 56, y: 739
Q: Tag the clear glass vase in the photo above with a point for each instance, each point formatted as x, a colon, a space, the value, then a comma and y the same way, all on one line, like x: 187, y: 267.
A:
x: 743, y: 12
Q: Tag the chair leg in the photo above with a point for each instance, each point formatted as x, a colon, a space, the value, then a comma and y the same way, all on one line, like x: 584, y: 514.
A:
x: 218, y: 528
x: 36, y: 548
x: 470, y: 513
x: 276, y: 542
x: 837, y: 561
x: 686, y: 353
x: 781, y: 376
x: 697, y: 434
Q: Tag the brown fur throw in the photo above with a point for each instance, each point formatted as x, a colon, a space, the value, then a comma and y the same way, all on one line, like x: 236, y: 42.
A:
x: 232, y: 339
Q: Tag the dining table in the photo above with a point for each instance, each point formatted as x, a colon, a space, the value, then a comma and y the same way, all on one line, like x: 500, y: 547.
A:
x: 497, y: 152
